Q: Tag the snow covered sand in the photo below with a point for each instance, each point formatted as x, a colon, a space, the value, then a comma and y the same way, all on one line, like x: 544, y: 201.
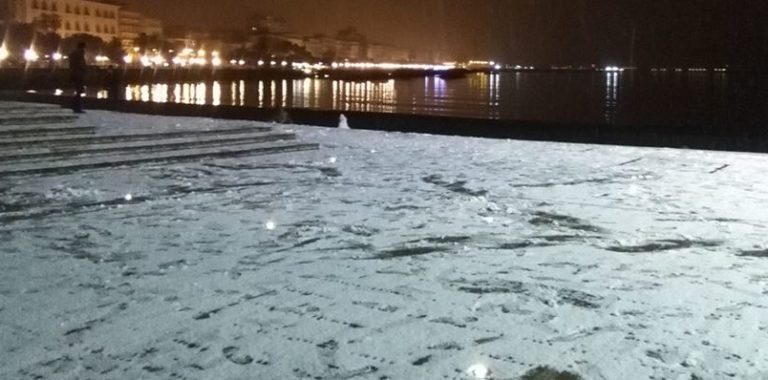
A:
x: 388, y: 256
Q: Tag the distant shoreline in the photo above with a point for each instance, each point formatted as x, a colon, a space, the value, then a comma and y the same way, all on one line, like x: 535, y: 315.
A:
x: 58, y: 77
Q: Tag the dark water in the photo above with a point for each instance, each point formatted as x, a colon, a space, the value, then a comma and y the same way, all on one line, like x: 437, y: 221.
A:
x: 629, y: 98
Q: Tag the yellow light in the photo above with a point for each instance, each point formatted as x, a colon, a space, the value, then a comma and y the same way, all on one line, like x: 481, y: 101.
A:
x: 216, y: 61
x: 57, y: 56
x: 241, y: 62
x: 3, y: 53
x: 158, y: 60
x: 145, y: 61
x: 215, y: 54
x: 30, y: 55
x: 201, y: 53
x: 260, y: 63
x: 284, y: 63
x: 128, y: 59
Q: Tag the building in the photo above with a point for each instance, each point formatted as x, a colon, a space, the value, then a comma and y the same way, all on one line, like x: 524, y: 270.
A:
x: 134, y: 24
x: 152, y: 26
x: 387, y: 53
x: 325, y: 47
x: 130, y: 27
x: 67, y: 17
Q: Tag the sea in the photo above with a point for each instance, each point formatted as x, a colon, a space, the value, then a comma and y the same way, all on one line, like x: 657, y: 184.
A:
x: 670, y: 98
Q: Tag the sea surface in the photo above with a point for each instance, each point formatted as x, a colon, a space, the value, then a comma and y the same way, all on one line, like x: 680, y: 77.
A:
x: 627, y: 98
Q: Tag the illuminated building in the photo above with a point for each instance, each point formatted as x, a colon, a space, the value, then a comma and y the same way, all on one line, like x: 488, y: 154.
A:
x: 130, y: 27
x: 96, y: 18
x: 134, y: 24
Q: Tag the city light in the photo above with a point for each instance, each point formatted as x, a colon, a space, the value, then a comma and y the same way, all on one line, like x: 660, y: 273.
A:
x: 215, y: 59
x: 396, y: 66
x: 145, y: 61
x: 3, y: 53
x: 30, y: 55
x: 101, y: 59
x: 57, y: 56
x: 128, y: 59
x: 158, y: 60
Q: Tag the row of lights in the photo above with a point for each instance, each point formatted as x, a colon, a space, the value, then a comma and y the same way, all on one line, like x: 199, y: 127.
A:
x: 187, y: 57
x: 691, y: 69
x: 30, y: 55
x: 190, y: 57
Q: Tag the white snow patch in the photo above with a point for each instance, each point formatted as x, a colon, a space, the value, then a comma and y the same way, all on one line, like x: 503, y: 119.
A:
x: 435, y: 253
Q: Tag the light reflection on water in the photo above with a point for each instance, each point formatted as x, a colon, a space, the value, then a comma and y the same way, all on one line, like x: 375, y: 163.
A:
x: 613, y: 98
x: 298, y: 93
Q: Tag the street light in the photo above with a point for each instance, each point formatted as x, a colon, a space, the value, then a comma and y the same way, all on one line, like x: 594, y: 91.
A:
x: 57, y: 56
x: 3, y: 53
x: 30, y: 55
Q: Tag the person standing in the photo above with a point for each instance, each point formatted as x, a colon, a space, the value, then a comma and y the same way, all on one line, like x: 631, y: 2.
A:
x: 78, y: 68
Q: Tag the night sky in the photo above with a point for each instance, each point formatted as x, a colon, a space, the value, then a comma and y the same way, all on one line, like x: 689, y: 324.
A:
x: 579, y: 32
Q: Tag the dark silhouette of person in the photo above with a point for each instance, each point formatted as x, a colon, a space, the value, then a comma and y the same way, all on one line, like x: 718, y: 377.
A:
x: 78, y: 68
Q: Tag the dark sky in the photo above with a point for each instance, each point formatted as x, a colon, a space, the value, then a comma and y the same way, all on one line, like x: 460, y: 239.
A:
x: 517, y: 31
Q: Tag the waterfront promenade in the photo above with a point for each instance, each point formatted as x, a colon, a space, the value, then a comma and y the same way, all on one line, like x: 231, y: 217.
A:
x: 386, y: 255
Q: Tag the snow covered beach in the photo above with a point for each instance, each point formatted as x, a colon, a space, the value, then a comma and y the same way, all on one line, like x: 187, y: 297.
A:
x: 388, y: 256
